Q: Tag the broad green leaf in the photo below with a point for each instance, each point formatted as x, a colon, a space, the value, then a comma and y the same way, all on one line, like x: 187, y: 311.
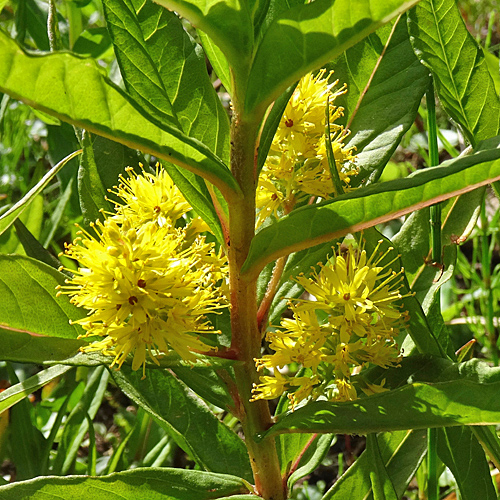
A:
x: 77, y: 424
x: 416, y: 406
x: 493, y: 64
x: 442, y: 42
x: 15, y: 393
x: 150, y: 483
x: 489, y: 440
x: 227, y: 22
x: 188, y: 420
x: 164, y: 71
x: 460, y: 451
x: 8, y: 218
x: 382, y: 486
x: 29, y: 302
x: 385, y: 84
x: 402, y: 452
x: 372, y: 205
x: 304, y: 37
x: 75, y: 90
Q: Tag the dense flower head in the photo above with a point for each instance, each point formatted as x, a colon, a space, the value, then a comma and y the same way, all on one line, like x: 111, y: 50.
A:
x: 352, y: 319
x: 297, y: 165
x: 146, y: 282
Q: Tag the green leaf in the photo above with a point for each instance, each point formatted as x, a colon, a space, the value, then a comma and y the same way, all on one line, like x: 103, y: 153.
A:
x: 402, y: 452
x: 8, y: 218
x: 227, y: 22
x: 150, y: 483
x: 93, y: 42
x: 460, y: 451
x: 442, y: 42
x: 305, y: 37
x: 75, y: 90
x: 493, y: 64
x: 217, y: 60
x: 77, y: 424
x: 372, y: 205
x: 439, y: 393
x: 29, y: 302
x: 487, y: 436
x: 188, y: 420
x: 164, y: 71
x: 16, y: 393
x: 385, y: 83
x: 195, y: 191
x: 312, y: 454
x: 382, y: 486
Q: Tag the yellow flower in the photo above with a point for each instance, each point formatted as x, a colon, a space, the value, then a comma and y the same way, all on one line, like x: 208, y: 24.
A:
x: 146, y: 290
x: 357, y: 298
x: 297, y: 166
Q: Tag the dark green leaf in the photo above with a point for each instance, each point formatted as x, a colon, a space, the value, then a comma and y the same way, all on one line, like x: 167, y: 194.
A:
x: 304, y: 37
x: 382, y: 487
x: 465, y: 88
x: 460, y: 451
x: 29, y: 302
x: 189, y: 421
x: 92, y: 42
x: 365, y: 207
x: 150, y: 483
x: 402, y: 453
x: 84, y: 97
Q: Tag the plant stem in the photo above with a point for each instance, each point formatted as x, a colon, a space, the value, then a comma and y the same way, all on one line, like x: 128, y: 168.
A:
x: 432, y: 474
x: 246, y: 339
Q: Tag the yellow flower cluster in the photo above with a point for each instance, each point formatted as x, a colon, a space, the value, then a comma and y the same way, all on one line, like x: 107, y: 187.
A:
x: 352, y: 320
x: 297, y: 166
x: 146, y: 281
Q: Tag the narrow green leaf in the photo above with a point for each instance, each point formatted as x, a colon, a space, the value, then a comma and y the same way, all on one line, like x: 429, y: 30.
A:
x: 402, y: 452
x: 489, y: 440
x: 164, y: 71
x: 150, y: 483
x: 32, y: 247
x: 217, y: 60
x: 304, y: 37
x: 227, y: 22
x: 8, y: 218
x: 442, y: 42
x: 372, y: 205
x: 77, y: 423
x: 75, y: 90
x: 15, y: 393
x: 385, y: 84
x: 188, y: 420
x: 312, y: 456
x: 29, y: 302
x: 460, y: 451
x: 493, y: 64
x: 382, y: 486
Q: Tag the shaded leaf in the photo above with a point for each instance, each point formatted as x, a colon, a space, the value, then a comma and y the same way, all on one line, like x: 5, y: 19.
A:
x: 188, y: 420
x: 382, y: 487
